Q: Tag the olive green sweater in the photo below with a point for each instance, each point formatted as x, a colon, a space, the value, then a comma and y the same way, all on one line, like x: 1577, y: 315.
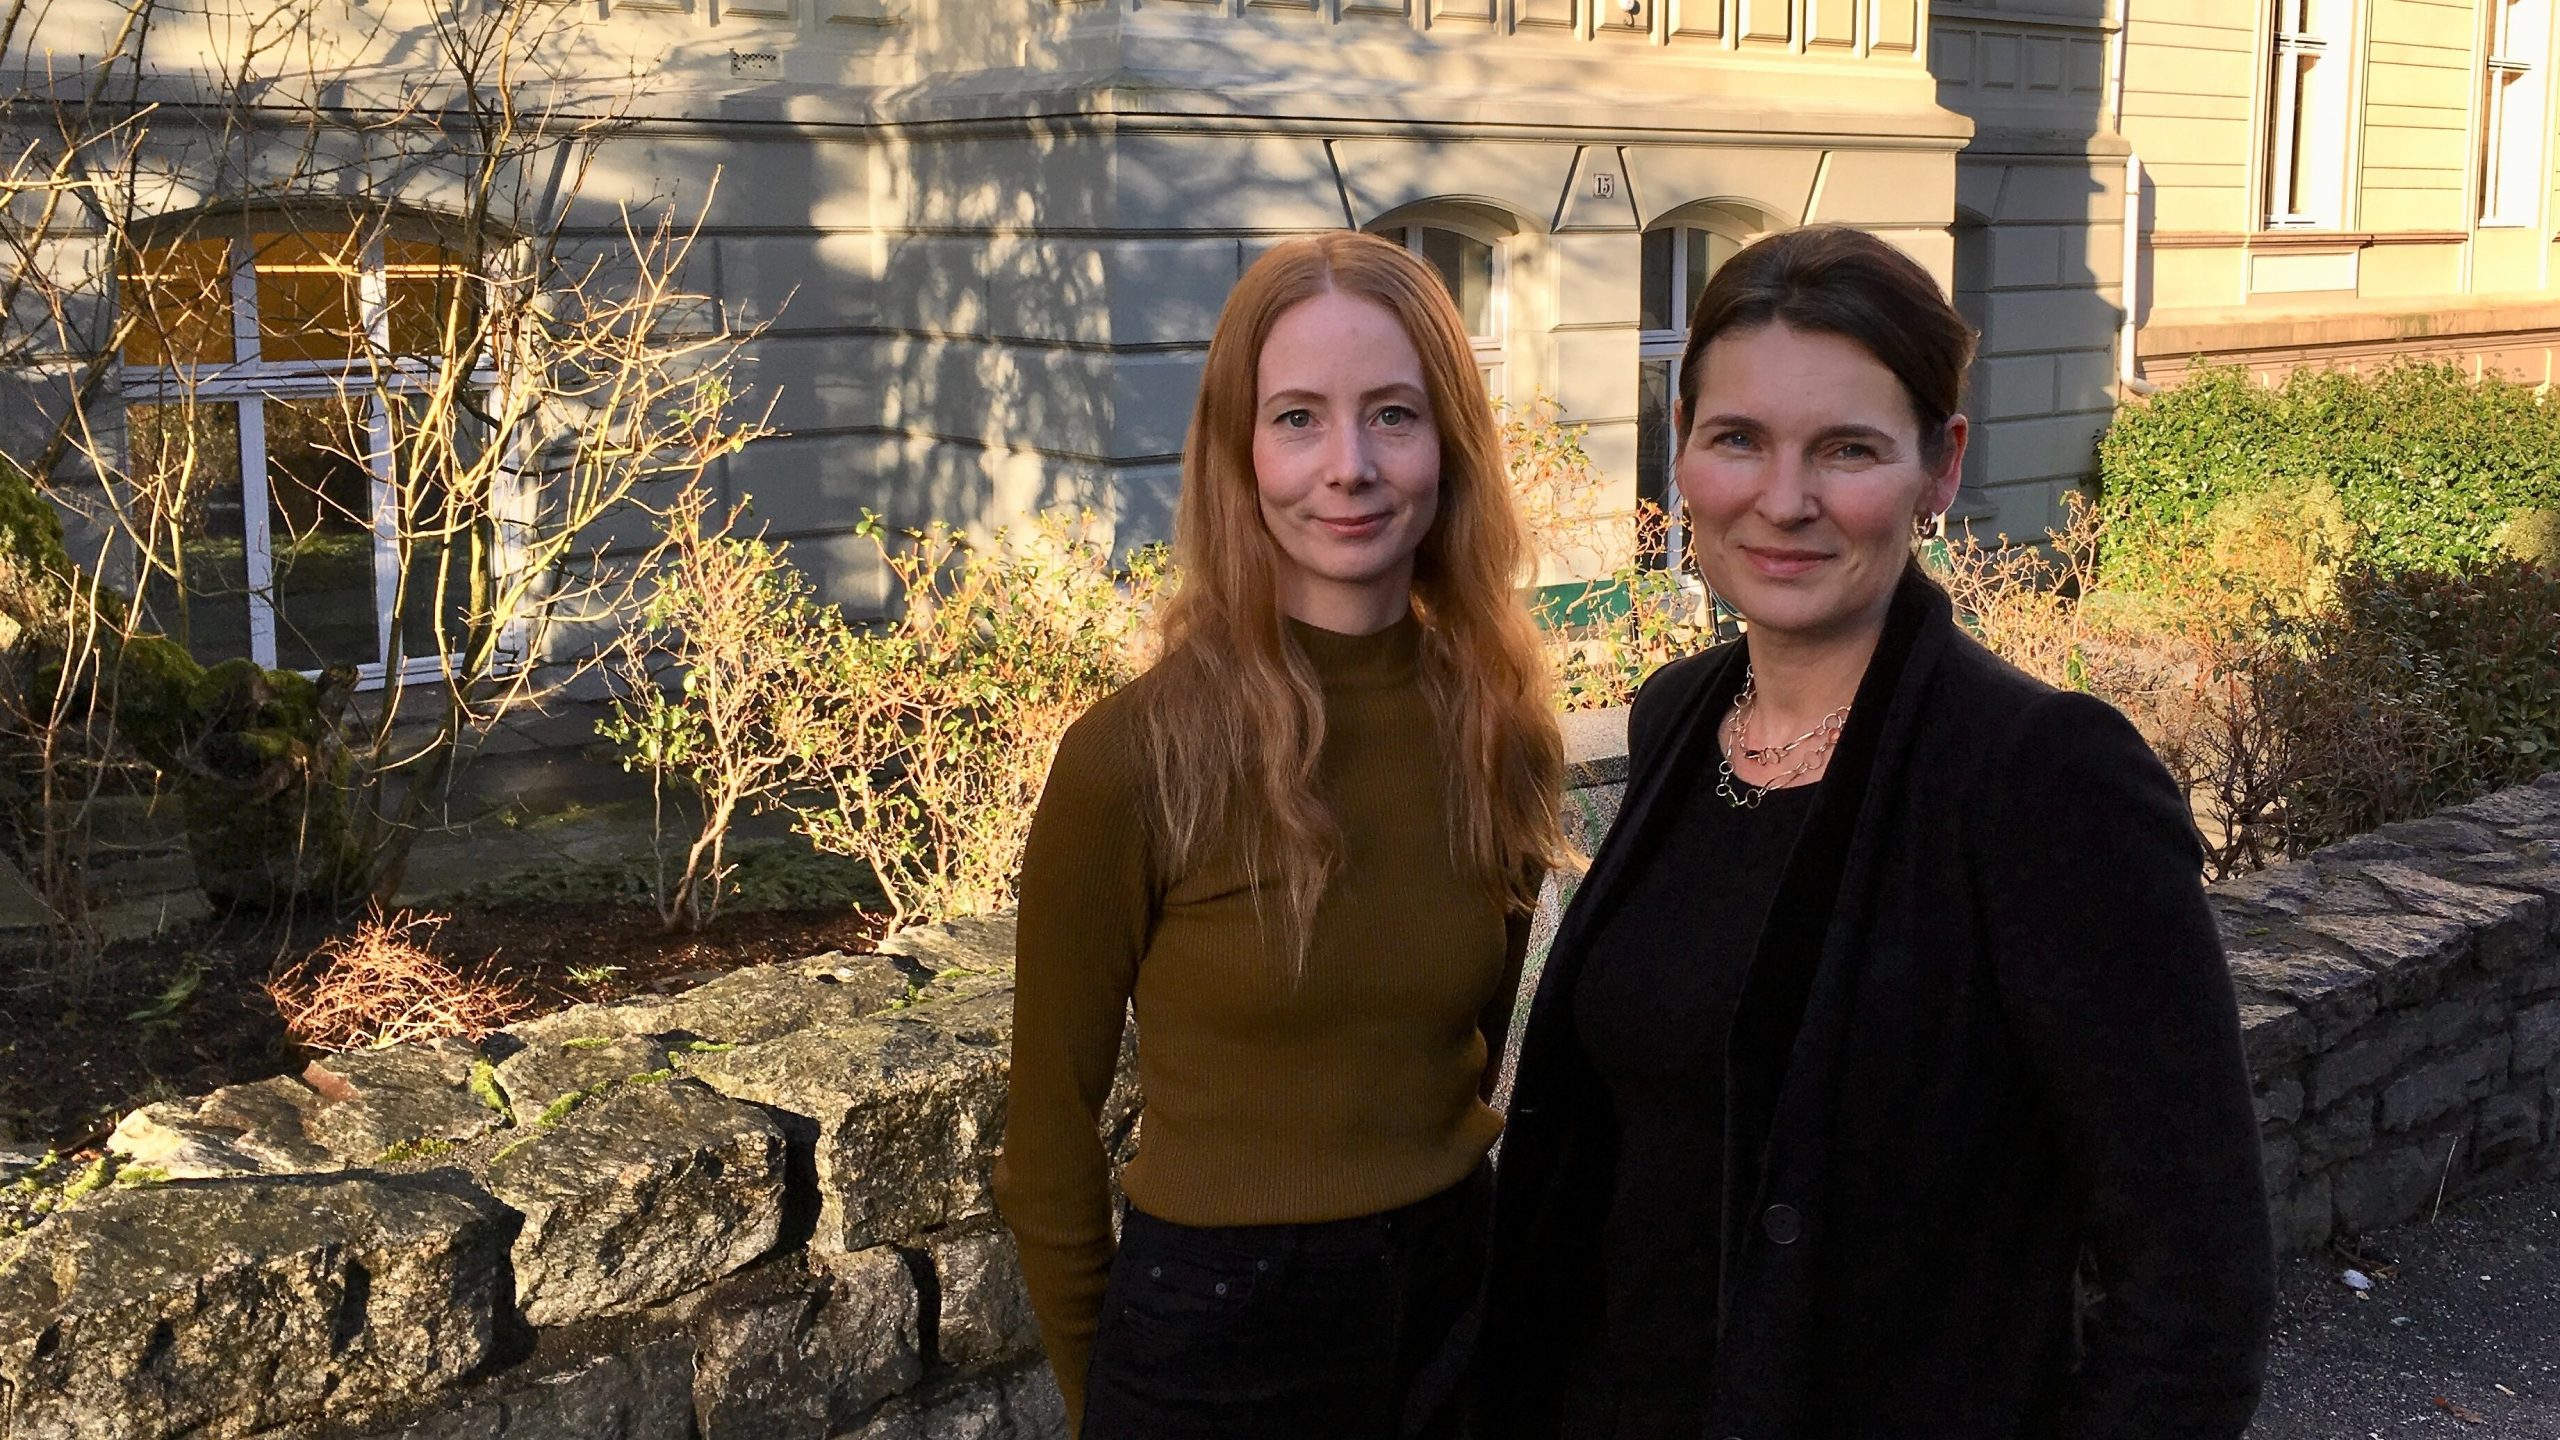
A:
x: 1269, y: 1100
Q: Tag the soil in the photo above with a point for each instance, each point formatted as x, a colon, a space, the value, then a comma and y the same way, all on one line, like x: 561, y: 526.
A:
x: 186, y: 1011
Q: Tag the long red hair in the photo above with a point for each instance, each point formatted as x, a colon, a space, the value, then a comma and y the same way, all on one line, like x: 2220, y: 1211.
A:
x: 1236, y: 723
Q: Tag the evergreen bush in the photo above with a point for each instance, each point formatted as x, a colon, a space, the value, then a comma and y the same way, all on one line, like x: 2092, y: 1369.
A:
x: 2422, y: 466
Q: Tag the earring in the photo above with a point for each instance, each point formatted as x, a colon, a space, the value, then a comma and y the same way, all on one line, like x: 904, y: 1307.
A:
x: 1924, y: 526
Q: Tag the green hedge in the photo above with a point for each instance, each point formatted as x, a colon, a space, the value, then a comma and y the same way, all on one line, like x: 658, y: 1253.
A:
x: 2434, y: 470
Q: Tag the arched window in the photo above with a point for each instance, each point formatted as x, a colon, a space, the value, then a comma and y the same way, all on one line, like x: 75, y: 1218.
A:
x: 274, y: 379
x: 1677, y: 261
x: 1471, y: 265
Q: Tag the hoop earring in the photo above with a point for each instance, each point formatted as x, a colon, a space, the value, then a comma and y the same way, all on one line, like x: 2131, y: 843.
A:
x: 1924, y: 526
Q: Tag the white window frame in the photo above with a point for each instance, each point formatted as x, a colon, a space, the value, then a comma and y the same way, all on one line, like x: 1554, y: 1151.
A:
x: 249, y: 381
x: 1492, y: 351
x: 2288, y: 121
x: 2514, y: 80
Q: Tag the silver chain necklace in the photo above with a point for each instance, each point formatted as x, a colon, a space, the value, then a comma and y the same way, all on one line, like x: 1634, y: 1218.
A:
x: 1742, y: 794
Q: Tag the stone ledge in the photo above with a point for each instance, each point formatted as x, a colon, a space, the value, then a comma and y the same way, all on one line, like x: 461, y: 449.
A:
x: 221, y: 1307
x: 763, y: 1208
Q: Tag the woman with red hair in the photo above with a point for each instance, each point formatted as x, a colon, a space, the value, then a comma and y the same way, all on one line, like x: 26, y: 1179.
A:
x: 1303, y: 849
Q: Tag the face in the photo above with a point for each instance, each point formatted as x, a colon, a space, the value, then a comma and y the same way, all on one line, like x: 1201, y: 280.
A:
x: 1802, y: 473
x: 1346, y: 460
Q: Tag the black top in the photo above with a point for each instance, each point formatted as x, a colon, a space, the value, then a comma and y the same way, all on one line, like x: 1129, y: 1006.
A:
x: 1654, y: 1007
x: 1989, y: 1032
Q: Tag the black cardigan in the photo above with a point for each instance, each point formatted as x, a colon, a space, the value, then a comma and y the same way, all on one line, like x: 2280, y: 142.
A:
x: 2018, y: 1048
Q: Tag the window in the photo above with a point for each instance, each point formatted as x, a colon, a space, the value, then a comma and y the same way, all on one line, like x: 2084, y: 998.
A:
x: 2307, y: 126
x: 1472, y: 268
x: 2511, y: 97
x: 276, y: 388
x: 1676, y: 263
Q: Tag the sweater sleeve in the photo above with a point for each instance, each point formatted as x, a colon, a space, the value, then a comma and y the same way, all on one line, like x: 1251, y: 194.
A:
x: 1087, y: 907
x: 2112, y: 974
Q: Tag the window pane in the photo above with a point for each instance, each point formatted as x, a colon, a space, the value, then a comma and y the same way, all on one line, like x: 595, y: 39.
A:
x: 308, y: 302
x: 426, y: 291
x: 177, y: 298
x: 2302, y: 197
x: 1653, y: 440
x: 444, y: 545
x: 187, y: 509
x: 320, y: 530
x: 1656, y: 306
x: 1466, y: 267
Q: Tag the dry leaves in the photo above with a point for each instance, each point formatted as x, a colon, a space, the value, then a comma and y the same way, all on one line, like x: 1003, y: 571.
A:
x: 381, y: 985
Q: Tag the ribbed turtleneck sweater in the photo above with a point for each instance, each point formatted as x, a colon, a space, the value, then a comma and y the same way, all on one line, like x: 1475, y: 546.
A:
x: 1271, y: 1098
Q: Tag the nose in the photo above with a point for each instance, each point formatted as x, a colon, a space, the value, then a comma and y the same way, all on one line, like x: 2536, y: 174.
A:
x: 1347, y: 461
x: 1786, y: 495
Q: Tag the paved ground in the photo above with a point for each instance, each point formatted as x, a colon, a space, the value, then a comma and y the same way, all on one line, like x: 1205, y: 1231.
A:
x: 2459, y: 1338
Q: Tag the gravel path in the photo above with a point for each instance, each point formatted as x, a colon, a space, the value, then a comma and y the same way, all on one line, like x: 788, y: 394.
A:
x: 2460, y: 1335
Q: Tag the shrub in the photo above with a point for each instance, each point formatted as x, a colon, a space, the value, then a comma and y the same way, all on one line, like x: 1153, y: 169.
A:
x: 2384, y: 698
x: 2532, y: 535
x: 380, y: 985
x: 2428, y: 468
x: 2173, y: 663
x: 932, y: 734
x: 1604, y: 641
x: 1604, y: 635
x: 740, y: 630
x: 2417, y: 691
x: 1558, y: 493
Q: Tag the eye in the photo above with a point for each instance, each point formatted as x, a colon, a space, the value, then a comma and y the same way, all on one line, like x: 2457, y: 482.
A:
x: 1294, y: 419
x: 1395, y: 416
x: 1730, y: 440
x: 1855, y: 450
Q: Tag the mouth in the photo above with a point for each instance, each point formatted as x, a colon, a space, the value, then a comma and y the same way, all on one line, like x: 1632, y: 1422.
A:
x: 1780, y: 562
x: 1354, y: 527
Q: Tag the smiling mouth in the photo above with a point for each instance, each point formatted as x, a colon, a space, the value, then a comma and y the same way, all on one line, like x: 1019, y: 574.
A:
x: 1356, y: 527
x: 1782, y: 563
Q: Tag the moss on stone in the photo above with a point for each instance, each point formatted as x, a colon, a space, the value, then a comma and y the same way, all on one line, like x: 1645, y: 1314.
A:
x: 484, y: 1088
x: 558, y: 1110
x: 425, y: 1147
x: 92, y: 1180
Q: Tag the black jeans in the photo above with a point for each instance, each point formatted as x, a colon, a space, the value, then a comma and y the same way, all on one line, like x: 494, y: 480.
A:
x: 1343, y: 1330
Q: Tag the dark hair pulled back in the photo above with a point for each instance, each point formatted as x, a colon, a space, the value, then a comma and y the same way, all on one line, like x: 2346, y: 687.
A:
x: 1832, y: 280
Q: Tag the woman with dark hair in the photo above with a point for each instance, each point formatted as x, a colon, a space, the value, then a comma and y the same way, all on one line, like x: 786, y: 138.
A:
x: 1303, y: 848
x: 1891, y: 1008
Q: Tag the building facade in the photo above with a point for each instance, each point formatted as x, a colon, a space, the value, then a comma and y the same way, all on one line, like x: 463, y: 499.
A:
x: 988, y: 239
x: 2302, y: 182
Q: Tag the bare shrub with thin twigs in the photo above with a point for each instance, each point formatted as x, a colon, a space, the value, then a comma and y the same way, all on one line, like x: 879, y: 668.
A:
x: 934, y: 731
x: 719, y: 693
x: 514, y: 368
x: 1608, y: 633
x: 2184, y: 664
x: 381, y: 985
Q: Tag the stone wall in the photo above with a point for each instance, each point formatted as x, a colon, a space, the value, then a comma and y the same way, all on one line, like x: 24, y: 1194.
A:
x: 760, y: 1209
x: 757, y: 1209
x: 2401, y: 997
